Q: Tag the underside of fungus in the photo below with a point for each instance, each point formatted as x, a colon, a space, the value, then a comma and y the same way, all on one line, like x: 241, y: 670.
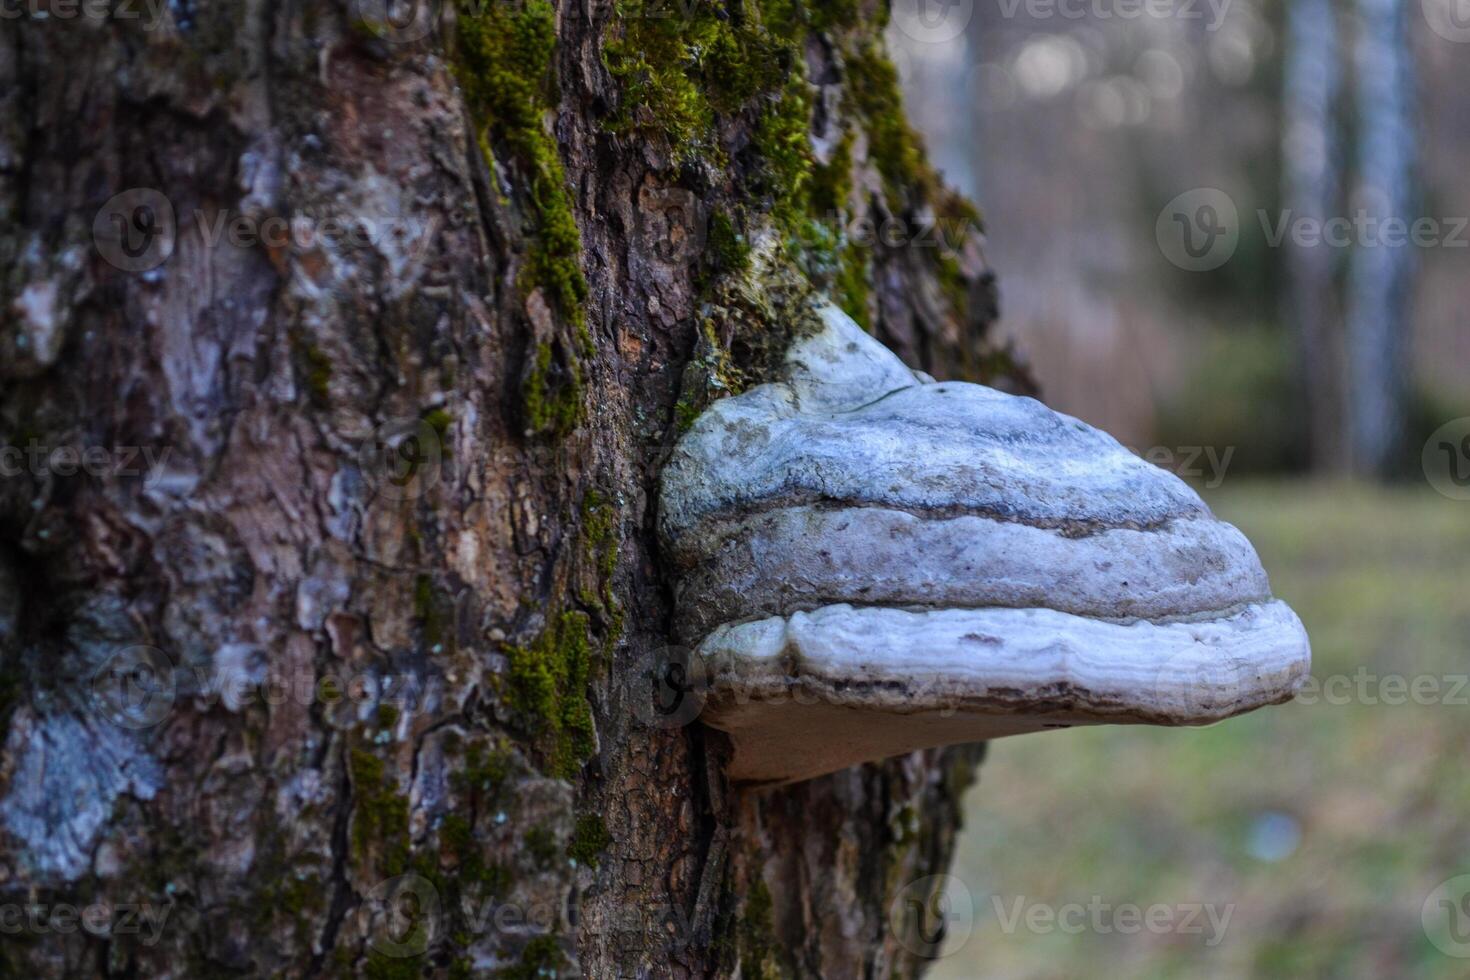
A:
x: 868, y: 562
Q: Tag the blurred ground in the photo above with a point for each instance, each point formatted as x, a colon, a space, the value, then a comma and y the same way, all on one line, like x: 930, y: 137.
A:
x: 1325, y: 825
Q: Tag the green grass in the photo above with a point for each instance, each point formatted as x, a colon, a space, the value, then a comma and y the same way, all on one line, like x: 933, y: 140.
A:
x: 1380, y: 792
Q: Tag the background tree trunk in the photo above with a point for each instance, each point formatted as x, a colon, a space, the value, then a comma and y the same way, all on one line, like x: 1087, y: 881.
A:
x: 328, y: 653
x: 1311, y: 165
x: 1381, y: 275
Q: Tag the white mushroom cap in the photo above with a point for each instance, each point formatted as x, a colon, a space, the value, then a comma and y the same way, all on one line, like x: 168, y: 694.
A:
x: 870, y: 562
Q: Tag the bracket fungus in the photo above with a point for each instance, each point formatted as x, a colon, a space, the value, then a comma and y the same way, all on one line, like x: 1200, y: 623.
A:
x: 869, y: 562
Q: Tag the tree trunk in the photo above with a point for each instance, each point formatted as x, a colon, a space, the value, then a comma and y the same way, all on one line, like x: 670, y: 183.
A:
x: 1311, y: 156
x: 341, y: 346
x: 1381, y: 273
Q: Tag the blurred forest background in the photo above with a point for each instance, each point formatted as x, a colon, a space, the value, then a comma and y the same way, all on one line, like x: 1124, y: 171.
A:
x: 1304, y: 388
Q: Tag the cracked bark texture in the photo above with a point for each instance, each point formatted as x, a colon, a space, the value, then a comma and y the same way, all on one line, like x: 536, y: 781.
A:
x: 294, y: 667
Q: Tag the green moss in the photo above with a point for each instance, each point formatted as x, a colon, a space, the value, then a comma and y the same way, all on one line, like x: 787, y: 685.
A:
x: 548, y: 681
x: 589, y: 839
x: 952, y: 281
x: 851, y: 287
x: 655, y: 58
x: 831, y: 182
x: 379, y: 817
x: 829, y: 14
x: 483, y: 775
x: 439, y: 420
x: 503, y: 63
x: 542, y: 957
x: 686, y: 411
x: 553, y: 393
x: 540, y: 843
x: 708, y: 376
x: 726, y: 249
x: 293, y: 898
x: 760, y: 314
x: 380, y: 966
x: 432, y: 609
x: 316, y: 368
x: 680, y: 75
x: 504, y: 67
x: 599, y: 544
x: 895, y: 148
x: 759, y: 949
x: 458, y: 839
x: 679, y: 69
x: 783, y: 140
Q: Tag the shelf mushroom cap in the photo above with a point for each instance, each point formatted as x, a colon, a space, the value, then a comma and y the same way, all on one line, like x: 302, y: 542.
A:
x: 868, y: 562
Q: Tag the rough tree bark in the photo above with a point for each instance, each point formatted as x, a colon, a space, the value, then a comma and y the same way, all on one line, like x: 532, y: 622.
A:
x: 328, y: 653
